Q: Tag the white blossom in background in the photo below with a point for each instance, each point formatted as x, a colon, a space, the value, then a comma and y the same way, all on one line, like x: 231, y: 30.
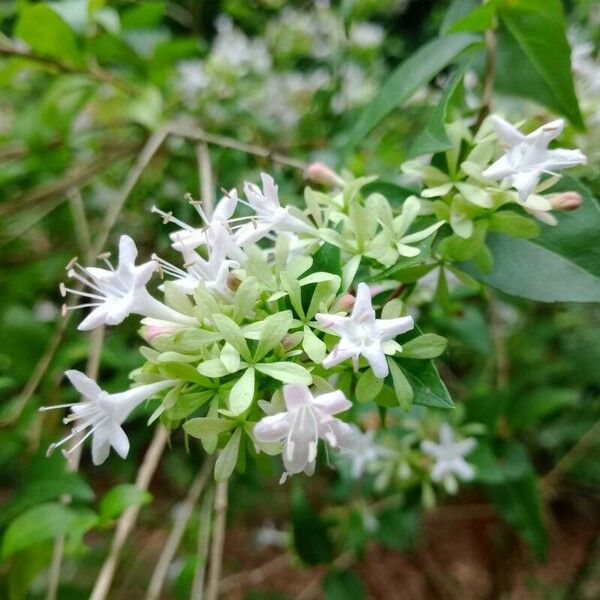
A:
x: 449, y: 456
x: 113, y: 294
x: 366, y: 35
x: 362, y: 334
x: 356, y: 88
x: 307, y: 419
x: 269, y: 214
x: 527, y: 157
x: 362, y: 452
x: 101, y: 415
x: 191, y: 78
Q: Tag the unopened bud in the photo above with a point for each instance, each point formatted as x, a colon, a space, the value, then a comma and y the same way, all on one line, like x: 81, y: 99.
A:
x: 289, y: 341
x: 566, y: 201
x: 149, y: 332
x: 233, y: 282
x: 344, y: 303
x: 320, y: 173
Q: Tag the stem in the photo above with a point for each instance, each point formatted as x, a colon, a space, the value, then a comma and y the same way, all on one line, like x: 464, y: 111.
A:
x: 183, y: 516
x: 254, y: 576
x: 574, y: 455
x: 82, y: 231
x: 203, y: 543
x: 207, y: 188
x: 490, y: 73
x: 196, y: 133
x: 129, y: 517
x: 218, y: 540
x: 93, y: 364
x: 94, y: 72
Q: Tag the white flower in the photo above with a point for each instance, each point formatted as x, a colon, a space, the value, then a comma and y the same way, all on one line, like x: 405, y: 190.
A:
x: 449, y: 458
x: 212, y: 272
x: 215, y: 225
x: 528, y: 157
x: 362, y: 452
x: 306, y: 420
x: 102, y: 415
x: 362, y: 334
x: 116, y: 293
x: 269, y: 214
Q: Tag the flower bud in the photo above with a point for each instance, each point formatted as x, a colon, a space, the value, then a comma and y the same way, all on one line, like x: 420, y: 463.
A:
x: 566, y: 201
x: 344, y: 303
x: 149, y: 332
x: 233, y: 282
x: 320, y: 173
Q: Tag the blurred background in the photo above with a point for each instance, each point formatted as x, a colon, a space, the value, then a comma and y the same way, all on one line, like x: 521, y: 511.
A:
x: 104, y: 112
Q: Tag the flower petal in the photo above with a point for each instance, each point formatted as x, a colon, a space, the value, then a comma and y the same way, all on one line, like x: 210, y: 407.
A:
x: 83, y: 384
x: 363, y: 306
x: 507, y: 134
x: 390, y: 328
x: 100, y: 445
x: 272, y: 428
x: 119, y: 440
x: 332, y: 403
x: 296, y: 395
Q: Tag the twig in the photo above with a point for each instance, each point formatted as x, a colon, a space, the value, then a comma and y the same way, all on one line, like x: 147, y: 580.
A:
x: 207, y: 187
x: 82, y: 231
x: 203, y: 543
x: 218, y: 540
x: 93, y: 364
x: 94, y: 72
x: 574, y: 455
x: 254, y: 576
x: 196, y: 133
x: 490, y: 74
x: 129, y: 517
x: 183, y: 516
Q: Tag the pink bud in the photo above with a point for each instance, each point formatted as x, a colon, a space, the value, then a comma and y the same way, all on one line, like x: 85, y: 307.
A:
x: 151, y: 331
x: 320, y: 173
x: 566, y: 201
x: 344, y: 303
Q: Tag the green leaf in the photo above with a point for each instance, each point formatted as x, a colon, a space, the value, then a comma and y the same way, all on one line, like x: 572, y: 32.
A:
x: 45, y: 522
x: 434, y: 137
x: 245, y: 298
x: 343, y: 585
x: 186, y: 404
x: 117, y: 500
x: 232, y: 333
x: 479, y: 19
x: 428, y: 345
x: 288, y: 372
x: 455, y: 12
x: 412, y: 74
x: 368, y: 386
x: 227, y: 458
x: 328, y: 260
x: 514, y: 224
x: 213, y: 368
x: 519, y: 504
x: 538, y: 27
x: 313, y: 346
x: 182, y: 371
x: 273, y: 330
x: 242, y: 393
x: 402, y: 388
x: 311, y: 538
x: 43, y: 30
x: 202, y: 426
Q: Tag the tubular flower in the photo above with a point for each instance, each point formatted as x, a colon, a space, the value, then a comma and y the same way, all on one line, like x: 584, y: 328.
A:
x: 306, y: 420
x: 449, y: 458
x: 116, y: 293
x: 102, y: 415
x: 269, y: 214
x: 363, y: 451
x: 362, y: 334
x: 528, y: 157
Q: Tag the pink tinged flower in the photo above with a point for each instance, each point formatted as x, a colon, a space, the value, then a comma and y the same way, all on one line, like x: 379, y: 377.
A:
x: 113, y: 294
x: 449, y: 454
x: 101, y: 415
x: 307, y: 419
x: 362, y: 334
x: 528, y: 157
x: 269, y: 214
x: 318, y: 172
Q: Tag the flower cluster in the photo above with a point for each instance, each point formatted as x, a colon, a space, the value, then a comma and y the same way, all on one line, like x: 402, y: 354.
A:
x: 278, y: 319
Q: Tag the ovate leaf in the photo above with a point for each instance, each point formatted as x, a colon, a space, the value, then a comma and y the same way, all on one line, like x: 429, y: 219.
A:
x: 227, y: 459
x: 288, y: 372
x: 120, y: 498
x: 242, y: 393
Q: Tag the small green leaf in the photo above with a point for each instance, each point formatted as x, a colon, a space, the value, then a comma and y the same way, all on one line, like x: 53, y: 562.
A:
x: 288, y: 372
x: 273, y: 330
x: 343, y: 585
x: 232, y: 333
x: 245, y: 298
x: 242, y: 393
x: 120, y: 498
x: 213, y: 368
x: 313, y: 346
x: 514, y: 224
x: 45, y: 522
x: 479, y: 19
x: 368, y: 386
x: 227, y: 458
x: 203, y: 426
x: 182, y: 371
x: 177, y: 299
x: 230, y: 358
x: 402, y: 388
x: 43, y: 30
x: 428, y: 345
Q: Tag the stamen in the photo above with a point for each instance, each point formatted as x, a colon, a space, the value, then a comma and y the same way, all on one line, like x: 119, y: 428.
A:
x: 71, y: 263
x: 169, y: 218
